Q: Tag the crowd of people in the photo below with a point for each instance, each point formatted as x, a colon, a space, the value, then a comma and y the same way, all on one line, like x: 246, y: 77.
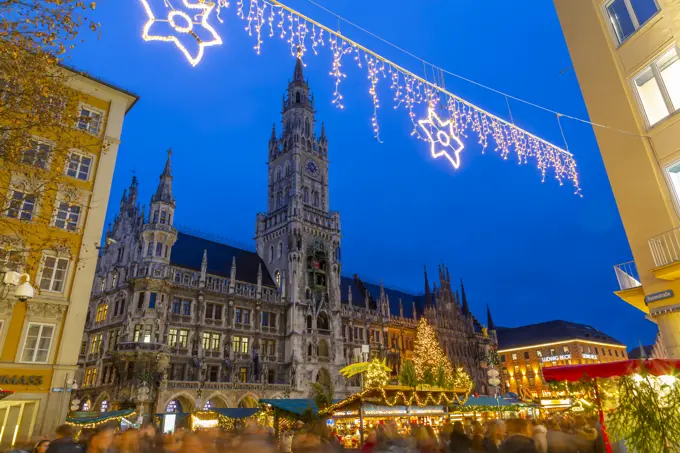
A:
x: 556, y: 435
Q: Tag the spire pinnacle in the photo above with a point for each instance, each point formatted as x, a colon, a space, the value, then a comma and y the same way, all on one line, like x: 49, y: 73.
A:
x: 466, y: 308
x: 164, y: 190
x: 273, y: 131
x: 489, y: 319
x: 428, y: 297
x: 299, y: 76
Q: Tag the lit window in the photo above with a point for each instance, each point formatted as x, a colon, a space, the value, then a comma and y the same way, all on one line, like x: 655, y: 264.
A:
x: 114, y: 280
x: 514, y: 356
x: 21, y: 206
x: 138, y: 330
x: 236, y: 342
x: 277, y: 278
x: 243, y: 374
x: 172, y: 337
x: 67, y: 216
x: 79, y: 166
x: 539, y: 354
x: 147, y: 334
x: 626, y: 16
x: 89, y: 120
x: 102, y: 310
x: 37, y: 155
x: 658, y: 87
x: 183, y: 335
x: 37, y: 343
x: 53, y: 274
x: 244, y: 345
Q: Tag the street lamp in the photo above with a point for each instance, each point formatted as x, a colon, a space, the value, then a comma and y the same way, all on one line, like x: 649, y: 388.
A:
x: 20, y: 282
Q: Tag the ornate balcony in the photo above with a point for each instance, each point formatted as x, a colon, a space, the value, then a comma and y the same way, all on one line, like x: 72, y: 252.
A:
x: 145, y: 347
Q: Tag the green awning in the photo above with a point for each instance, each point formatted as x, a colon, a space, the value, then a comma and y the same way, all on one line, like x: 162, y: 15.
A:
x: 105, y: 416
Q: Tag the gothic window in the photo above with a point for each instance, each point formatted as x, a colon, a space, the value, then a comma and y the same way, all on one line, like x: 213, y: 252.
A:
x: 287, y: 169
x: 271, y: 253
x: 279, y: 200
x: 277, y: 278
x: 277, y: 177
x: 305, y: 195
x: 159, y: 249
x: 149, y: 251
x: 309, y: 322
x: 307, y: 128
x: 286, y: 196
x: 315, y: 199
x: 322, y: 322
x: 323, y: 349
x: 155, y: 217
x: 309, y: 350
x: 163, y: 216
x: 279, y: 251
x: 297, y: 97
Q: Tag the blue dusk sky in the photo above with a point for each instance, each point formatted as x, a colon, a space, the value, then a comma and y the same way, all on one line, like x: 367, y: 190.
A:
x: 532, y: 251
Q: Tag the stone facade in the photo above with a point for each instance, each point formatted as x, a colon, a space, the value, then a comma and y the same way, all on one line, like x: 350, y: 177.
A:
x: 200, y: 322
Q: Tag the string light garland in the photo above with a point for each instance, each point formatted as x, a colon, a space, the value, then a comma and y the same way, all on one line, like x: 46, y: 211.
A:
x: 461, y: 118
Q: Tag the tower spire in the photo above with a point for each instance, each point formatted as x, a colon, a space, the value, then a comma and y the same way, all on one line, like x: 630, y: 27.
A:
x: 428, y: 297
x: 298, y: 75
x: 466, y: 308
x: 489, y: 319
x: 164, y: 190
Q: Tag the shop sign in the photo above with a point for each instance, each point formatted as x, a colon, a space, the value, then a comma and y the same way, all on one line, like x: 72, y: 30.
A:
x: 20, y: 380
x: 566, y: 402
x: 555, y: 358
x: 589, y: 356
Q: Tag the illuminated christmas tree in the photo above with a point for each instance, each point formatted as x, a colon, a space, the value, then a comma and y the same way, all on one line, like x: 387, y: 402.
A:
x: 428, y: 356
x: 431, y: 363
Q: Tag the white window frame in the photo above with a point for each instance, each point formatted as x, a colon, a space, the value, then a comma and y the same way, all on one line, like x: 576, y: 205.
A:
x: 10, y: 198
x: 79, y: 221
x: 93, y: 109
x: 42, y: 267
x: 662, y: 87
x: 633, y: 19
x: 82, y: 154
x: 25, y: 336
x: 675, y: 195
x: 40, y: 140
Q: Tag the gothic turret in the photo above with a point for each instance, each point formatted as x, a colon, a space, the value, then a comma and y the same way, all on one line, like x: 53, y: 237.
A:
x: 489, y: 319
x: 465, y: 308
x: 428, y: 297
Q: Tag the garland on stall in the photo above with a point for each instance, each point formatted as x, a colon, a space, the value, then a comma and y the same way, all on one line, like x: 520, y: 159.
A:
x: 445, y: 121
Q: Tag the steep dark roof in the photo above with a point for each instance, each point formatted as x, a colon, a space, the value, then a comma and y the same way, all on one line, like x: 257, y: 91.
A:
x: 636, y: 352
x: 188, y: 253
x: 546, y: 332
x: 354, y: 285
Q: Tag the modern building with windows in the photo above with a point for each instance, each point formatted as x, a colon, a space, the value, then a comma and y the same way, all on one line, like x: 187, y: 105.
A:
x: 205, y: 324
x: 625, y: 54
x: 524, y: 352
x: 40, y: 337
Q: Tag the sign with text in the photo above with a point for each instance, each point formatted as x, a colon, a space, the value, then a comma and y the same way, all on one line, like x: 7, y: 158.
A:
x: 26, y: 380
x: 555, y: 358
x: 659, y: 296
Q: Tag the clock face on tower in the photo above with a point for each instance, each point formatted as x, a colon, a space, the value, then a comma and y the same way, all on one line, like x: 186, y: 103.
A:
x: 312, y: 168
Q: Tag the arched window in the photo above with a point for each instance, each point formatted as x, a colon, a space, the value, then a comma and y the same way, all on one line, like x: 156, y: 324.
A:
x: 277, y: 278
x: 322, y: 322
x: 309, y: 350
x: 297, y: 97
x: 307, y: 127
x: 279, y: 251
x: 287, y: 169
x: 155, y: 217
x: 305, y: 195
x: 309, y: 322
x: 279, y: 202
x: 271, y: 253
x: 277, y: 176
x: 323, y: 349
x: 315, y: 197
x: 173, y: 406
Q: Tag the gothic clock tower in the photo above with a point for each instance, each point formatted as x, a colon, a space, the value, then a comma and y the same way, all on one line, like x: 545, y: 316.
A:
x: 299, y: 239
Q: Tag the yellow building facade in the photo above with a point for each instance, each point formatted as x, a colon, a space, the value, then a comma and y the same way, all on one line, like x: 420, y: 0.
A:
x: 40, y: 337
x: 625, y: 55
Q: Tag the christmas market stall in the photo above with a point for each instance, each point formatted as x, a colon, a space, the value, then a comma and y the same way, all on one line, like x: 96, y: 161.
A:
x: 637, y: 401
x: 484, y: 408
x: 224, y: 418
x: 123, y: 420
x: 286, y: 412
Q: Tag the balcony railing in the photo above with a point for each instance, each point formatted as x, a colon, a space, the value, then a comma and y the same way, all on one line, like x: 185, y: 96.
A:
x: 666, y: 247
x: 228, y: 386
x: 141, y: 346
x: 627, y: 275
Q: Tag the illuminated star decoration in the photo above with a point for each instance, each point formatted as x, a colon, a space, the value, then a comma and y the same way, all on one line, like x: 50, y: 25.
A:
x: 182, y: 24
x: 442, y: 138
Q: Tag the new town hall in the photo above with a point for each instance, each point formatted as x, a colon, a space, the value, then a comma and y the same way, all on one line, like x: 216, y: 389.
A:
x: 200, y: 323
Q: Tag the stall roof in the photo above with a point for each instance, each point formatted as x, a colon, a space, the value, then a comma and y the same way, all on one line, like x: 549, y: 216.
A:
x: 572, y: 373
x: 100, y: 418
x: 238, y: 413
x: 294, y: 406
